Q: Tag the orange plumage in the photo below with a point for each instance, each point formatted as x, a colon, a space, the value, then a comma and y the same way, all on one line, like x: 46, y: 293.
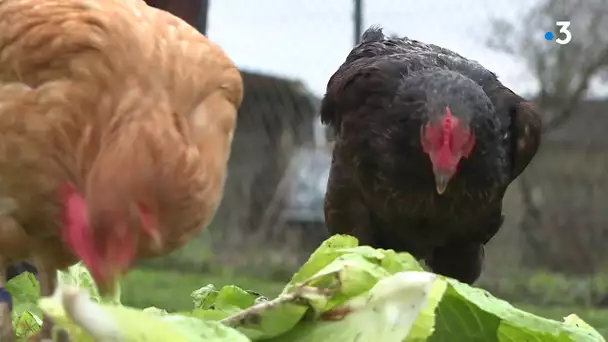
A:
x: 116, y: 121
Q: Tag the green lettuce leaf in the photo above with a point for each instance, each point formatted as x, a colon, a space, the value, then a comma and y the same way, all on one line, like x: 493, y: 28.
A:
x: 386, y: 313
x: 474, y: 314
x: 337, y: 272
x: 88, y: 320
x: 344, y: 292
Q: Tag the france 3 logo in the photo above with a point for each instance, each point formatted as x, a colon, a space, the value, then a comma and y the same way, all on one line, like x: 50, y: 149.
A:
x: 564, y: 35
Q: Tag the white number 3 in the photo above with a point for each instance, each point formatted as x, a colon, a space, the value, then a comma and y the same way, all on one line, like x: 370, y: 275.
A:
x: 563, y: 28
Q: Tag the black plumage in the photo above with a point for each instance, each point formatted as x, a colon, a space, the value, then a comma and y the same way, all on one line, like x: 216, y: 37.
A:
x: 382, y: 186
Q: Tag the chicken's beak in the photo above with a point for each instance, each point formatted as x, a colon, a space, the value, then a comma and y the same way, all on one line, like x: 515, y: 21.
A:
x: 108, y: 285
x: 441, y: 182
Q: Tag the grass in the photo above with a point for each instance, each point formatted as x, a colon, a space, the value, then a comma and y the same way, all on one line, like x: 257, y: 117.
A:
x: 171, y: 290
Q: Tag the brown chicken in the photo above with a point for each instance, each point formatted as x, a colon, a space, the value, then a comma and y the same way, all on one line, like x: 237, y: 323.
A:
x: 116, y: 121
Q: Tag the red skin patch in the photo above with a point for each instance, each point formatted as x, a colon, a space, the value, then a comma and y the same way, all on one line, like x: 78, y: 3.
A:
x: 447, y: 141
x: 76, y: 231
x: 112, y: 250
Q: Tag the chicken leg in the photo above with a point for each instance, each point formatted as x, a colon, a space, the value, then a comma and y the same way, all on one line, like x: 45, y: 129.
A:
x: 6, y: 325
x: 47, y: 276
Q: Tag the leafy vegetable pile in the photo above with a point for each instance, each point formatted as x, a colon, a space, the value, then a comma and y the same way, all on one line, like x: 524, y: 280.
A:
x: 344, y: 293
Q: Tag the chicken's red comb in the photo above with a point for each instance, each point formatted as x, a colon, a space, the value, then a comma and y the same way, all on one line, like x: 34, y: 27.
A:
x: 448, y: 125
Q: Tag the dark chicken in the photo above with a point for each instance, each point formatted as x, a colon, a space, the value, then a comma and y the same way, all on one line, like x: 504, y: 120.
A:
x: 427, y: 143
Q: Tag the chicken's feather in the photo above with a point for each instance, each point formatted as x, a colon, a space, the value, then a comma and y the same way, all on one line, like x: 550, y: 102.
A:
x: 382, y: 188
x: 125, y: 102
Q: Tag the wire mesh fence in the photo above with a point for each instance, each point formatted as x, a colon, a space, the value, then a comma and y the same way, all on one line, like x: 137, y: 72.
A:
x: 272, y: 209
